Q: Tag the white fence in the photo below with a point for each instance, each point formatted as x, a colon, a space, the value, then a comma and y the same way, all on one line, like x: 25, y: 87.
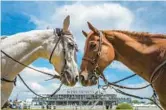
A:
x: 71, y: 107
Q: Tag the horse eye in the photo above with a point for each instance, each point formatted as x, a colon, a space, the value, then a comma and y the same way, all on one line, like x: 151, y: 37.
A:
x: 70, y: 45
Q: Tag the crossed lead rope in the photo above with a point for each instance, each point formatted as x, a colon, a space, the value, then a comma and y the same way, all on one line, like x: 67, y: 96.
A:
x: 38, y: 94
x: 46, y: 73
x: 105, y: 80
x: 104, y: 87
x: 59, y: 33
x: 113, y: 85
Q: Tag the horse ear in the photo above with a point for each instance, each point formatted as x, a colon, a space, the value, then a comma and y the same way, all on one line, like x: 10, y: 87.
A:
x: 91, y: 27
x: 85, y: 34
x: 66, y: 23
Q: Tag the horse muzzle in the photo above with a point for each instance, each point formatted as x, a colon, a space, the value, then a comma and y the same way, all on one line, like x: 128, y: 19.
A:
x: 85, y: 80
x: 68, y: 79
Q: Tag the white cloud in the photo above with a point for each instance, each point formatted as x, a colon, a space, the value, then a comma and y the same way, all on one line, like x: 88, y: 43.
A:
x: 36, y: 82
x: 105, y: 15
x: 39, y: 23
x: 102, y: 15
x: 31, y: 75
x: 37, y: 86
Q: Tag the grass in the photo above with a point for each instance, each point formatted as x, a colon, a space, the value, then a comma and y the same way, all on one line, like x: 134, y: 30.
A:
x: 62, y: 109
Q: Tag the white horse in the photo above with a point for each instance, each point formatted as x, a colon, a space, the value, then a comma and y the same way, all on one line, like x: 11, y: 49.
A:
x: 28, y: 46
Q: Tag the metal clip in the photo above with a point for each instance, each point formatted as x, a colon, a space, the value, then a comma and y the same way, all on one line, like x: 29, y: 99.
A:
x: 99, y: 53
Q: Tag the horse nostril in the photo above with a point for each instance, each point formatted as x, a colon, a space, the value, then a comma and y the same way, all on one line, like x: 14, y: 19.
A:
x: 93, y: 79
x: 81, y: 78
x: 77, y: 78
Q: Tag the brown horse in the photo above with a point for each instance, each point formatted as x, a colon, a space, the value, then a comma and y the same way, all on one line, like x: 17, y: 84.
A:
x: 143, y: 53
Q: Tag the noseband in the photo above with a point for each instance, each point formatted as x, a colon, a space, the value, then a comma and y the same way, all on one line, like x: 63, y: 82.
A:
x: 94, y: 61
x: 60, y: 34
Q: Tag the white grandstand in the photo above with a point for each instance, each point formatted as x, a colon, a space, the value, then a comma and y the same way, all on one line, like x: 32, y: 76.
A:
x: 80, y: 97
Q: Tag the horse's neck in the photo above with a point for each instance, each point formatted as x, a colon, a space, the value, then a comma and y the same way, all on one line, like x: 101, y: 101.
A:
x: 25, y: 48
x: 133, y: 54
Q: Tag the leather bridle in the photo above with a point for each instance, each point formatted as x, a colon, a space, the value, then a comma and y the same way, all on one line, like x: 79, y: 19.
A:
x: 94, y: 61
x: 60, y: 34
x: 61, y: 37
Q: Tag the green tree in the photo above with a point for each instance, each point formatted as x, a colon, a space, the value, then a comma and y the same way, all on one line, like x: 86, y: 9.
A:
x: 135, y: 102
x: 124, y: 106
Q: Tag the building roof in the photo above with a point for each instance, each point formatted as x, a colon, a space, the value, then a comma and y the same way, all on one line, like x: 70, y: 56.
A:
x: 82, y: 90
x: 79, y: 90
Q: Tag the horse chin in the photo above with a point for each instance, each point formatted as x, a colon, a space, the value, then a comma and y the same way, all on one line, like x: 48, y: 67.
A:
x: 69, y: 84
x: 88, y: 83
x: 93, y: 83
x: 68, y: 81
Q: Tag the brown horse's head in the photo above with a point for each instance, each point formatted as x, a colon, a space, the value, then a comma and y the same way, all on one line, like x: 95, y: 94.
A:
x: 98, y: 54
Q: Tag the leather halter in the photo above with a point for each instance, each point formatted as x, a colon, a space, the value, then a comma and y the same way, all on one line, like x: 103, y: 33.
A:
x: 60, y: 34
x: 94, y: 61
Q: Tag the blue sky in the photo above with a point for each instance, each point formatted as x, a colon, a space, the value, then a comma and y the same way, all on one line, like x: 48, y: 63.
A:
x: 139, y: 16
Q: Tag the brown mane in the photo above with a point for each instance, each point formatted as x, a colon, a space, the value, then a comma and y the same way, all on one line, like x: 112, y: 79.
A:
x: 143, y: 37
x: 142, y: 34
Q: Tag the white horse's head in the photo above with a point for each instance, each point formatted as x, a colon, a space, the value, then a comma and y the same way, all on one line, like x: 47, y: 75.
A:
x: 61, y: 49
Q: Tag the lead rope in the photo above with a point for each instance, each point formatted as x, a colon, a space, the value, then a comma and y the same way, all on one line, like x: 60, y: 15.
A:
x: 46, y: 73
x: 124, y: 93
x: 138, y: 97
x: 152, y: 79
x: 124, y: 87
x: 35, y: 92
x: 53, y: 76
x: 131, y: 95
x: 98, y: 97
x: 128, y: 77
x: 107, y: 83
x: 14, y: 81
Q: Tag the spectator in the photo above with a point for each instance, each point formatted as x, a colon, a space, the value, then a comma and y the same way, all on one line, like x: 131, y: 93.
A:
x: 22, y: 105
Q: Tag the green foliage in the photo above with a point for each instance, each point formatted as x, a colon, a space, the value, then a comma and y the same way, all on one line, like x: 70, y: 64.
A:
x: 135, y: 102
x: 124, y: 106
